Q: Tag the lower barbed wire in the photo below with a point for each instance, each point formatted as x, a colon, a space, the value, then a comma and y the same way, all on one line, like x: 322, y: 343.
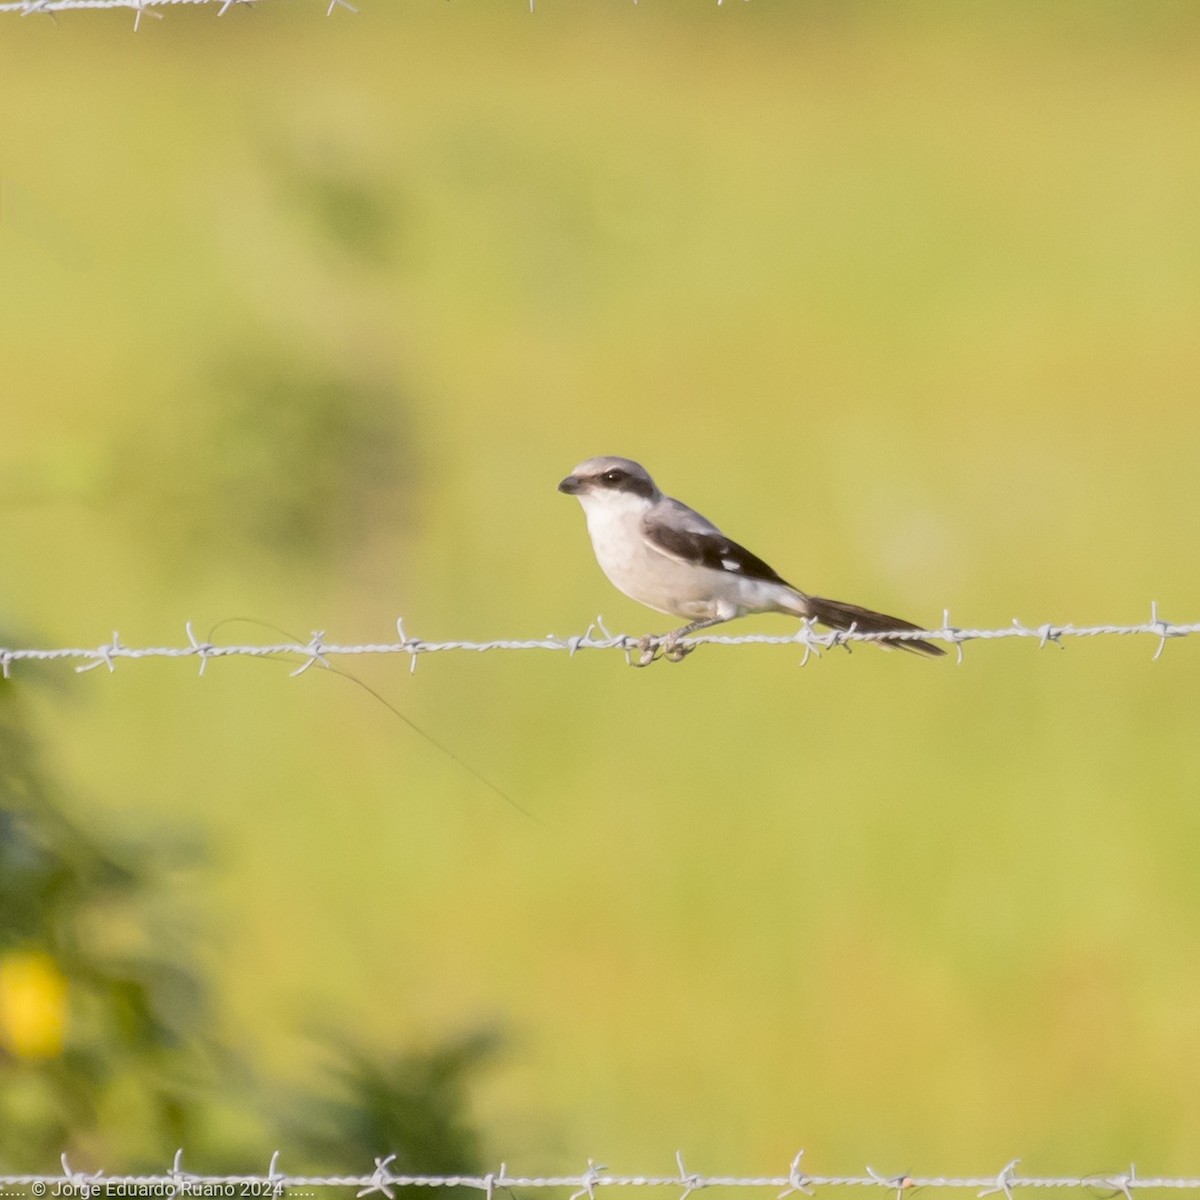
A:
x: 176, y: 1181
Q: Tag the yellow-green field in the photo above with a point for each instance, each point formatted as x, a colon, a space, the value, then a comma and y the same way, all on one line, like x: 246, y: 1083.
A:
x: 905, y: 296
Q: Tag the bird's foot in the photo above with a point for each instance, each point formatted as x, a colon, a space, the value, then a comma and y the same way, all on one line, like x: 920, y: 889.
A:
x: 671, y: 648
x: 647, y: 650
x: 652, y: 646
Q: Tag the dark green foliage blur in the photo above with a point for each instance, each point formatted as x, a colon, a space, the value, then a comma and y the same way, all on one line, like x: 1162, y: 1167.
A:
x: 357, y: 214
x: 136, y: 1011
x: 279, y: 457
x: 139, y: 1046
x: 295, y: 461
x: 412, y: 1106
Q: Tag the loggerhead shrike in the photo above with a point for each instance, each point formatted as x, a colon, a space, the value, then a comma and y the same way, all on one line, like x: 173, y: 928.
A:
x: 670, y: 558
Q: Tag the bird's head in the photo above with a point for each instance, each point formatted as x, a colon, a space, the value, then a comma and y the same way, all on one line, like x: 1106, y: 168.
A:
x: 610, y: 482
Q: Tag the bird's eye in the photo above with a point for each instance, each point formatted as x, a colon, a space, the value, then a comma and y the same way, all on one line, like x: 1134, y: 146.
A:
x: 613, y: 476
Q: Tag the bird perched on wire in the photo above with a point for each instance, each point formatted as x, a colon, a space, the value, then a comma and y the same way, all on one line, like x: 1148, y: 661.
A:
x: 667, y: 556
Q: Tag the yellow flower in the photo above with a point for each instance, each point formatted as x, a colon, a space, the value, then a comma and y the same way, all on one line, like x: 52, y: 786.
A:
x: 33, y: 1005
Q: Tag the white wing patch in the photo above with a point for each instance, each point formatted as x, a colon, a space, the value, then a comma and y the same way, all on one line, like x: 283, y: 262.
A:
x: 732, y: 564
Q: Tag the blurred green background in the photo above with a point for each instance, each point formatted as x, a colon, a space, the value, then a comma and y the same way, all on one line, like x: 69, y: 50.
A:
x: 303, y: 320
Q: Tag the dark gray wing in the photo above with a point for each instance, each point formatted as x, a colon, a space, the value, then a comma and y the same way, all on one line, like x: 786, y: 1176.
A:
x: 683, y: 534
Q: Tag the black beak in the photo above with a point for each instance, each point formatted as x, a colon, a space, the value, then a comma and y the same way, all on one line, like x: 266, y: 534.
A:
x: 571, y: 485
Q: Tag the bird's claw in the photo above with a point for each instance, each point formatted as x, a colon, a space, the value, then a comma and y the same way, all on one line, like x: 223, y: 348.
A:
x: 672, y: 650
x: 647, y: 650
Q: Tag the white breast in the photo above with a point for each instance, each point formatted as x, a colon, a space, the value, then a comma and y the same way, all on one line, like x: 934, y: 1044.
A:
x: 614, y: 525
x: 634, y: 567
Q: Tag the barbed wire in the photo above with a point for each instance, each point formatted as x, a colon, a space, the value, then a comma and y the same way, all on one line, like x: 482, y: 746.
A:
x: 382, y: 1180
x: 317, y: 651
x: 139, y: 8
x: 149, y: 8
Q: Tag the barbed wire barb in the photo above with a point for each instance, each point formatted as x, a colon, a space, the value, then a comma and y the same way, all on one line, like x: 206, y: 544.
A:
x: 588, y: 1181
x: 175, y: 1174
x: 77, y: 1180
x: 805, y: 635
x: 381, y: 1180
x: 898, y: 1183
x: 202, y: 649
x: 140, y: 7
x: 689, y: 1179
x: 1122, y: 1184
x: 103, y: 656
x: 1003, y: 1181
x: 411, y: 646
x: 314, y: 653
x: 1164, y: 629
x: 797, y: 1180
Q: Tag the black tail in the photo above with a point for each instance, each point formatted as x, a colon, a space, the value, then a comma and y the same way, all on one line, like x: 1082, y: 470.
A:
x: 838, y: 615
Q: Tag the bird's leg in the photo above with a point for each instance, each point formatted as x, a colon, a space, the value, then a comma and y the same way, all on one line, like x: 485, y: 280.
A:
x: 672, y: 651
